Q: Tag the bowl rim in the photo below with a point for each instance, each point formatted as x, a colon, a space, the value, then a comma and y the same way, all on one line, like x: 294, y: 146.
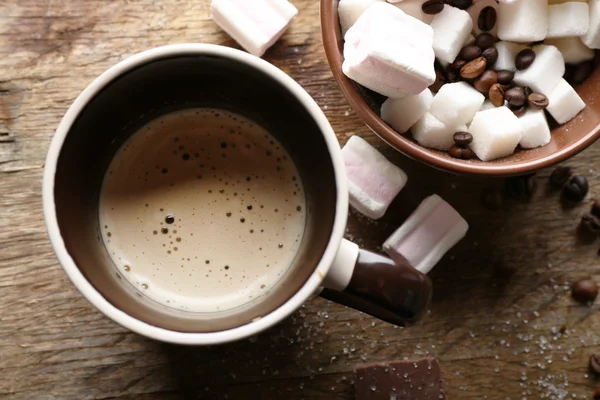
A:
x: 328, y: 16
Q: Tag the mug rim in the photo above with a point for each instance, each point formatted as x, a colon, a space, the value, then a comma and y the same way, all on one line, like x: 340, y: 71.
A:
x: 93, y: 295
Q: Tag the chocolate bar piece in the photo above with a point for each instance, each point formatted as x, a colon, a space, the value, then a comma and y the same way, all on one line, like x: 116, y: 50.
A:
x: 399, y: 380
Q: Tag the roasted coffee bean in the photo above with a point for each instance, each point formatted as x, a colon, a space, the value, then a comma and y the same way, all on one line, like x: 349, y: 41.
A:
x: 576, y: 189
x: 582, y: 72
x: 524, y: 59
x: 521, y: 188
x: 432, y: 7
x: 519, y: 111
x: 452, y: 75
x: 496, y: 95
x: 595, y: 364
x: 584, y: 291
x: 487, y: 19
x: 485, y: 81
x: 515, y: 96
x: 491, y: 55
x: 491, y: 198
x: 464, y: 153
x: 474, y: 68
x: 463, y: 139
x: 590, y: 223
x: 560, y: 176
x: 458, y: 64
x: 440, y: 80
x: 462, y: 4
x: 485, y: 41
x: 505, y: 77
x: 470, y: 52
x: 596, y: 208
x: 537, y: 101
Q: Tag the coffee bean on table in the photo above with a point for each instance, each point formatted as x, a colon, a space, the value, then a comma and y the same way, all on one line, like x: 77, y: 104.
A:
x: 584, y: 291
x: 515, y: 96
x: 484, y: 82
x: 591, y: 223
x: 487, y: 19
x: 464, y: 153
x: 470, y: 52
x: 576, y: 189
x: 519, y: 111
x: 560, y: 176
x: 432, y: 7
x: 537, y: 101
x: 485, y: 40
x: 505, y: 77
x: 595, y: 364
x: 582, y: 72
x: 462, y: 4
x: 474, y: 68
x: 463, y: 139
x: 524, y: 59
x: 496, y: 95
x: 491, y: 55
x: 491, y: 198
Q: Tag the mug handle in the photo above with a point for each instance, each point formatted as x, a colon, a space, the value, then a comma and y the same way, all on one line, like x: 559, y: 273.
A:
x: 392, y: 291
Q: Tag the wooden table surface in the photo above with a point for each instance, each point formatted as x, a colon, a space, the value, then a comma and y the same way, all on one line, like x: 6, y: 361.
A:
x: 496, y: 337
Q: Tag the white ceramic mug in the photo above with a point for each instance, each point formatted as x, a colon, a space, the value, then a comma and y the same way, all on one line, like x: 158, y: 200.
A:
x: 168, y: 78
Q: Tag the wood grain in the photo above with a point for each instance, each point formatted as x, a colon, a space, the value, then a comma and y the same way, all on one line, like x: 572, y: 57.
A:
x: 496, y: 337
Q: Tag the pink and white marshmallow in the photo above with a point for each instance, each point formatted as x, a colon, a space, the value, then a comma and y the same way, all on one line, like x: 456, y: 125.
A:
x: 389, y: 52
x: 432, y: 229
x: 256, y: 25
x: 373, y: 181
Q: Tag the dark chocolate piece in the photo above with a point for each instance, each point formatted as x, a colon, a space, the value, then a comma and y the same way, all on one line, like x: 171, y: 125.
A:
x: 399, y: 380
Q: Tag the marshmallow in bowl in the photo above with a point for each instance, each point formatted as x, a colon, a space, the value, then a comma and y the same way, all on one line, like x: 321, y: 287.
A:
x: 389, y: 52
x: 350, y: 10
x: 536, y: 131
x: 545, y: 72
x: 496, y: 133
x: 592, y: 38
x: 414, y: 8
x: 256, y: 25
x: 523, y: 21
x: 402, y: 113
x: 564, y: 102
x: 373, y: 181
x: 451, y: 29
x: 430, y: 132
x: 432, y: 229
x: 568, y: 20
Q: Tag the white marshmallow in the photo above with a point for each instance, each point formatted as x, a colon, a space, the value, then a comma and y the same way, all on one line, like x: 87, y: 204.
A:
x: 564, y: 102
x: 373, y: 181
x: 592, y: 38
x: 523, y: 20
x: 474, y: 12
x: 572, y: 49
x: 389, y: 52
x: 414, y: 8
x: 255, y: 25
x: 456, y: 103
x: 487, y: 105
x: 507, y: 52
x: 536, y: 131
x: 401, y: 114
x: 350, y: 10
x: 433, y: 133
x: 496, y: 133
x: 451, y: 28
x: 568, y: 19
x: 545, y: 72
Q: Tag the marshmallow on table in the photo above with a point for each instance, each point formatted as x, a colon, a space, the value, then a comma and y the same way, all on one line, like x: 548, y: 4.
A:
x: 592, y: 38
x: 507, y: 52
x: 350, y: 10
x: 523, y: 20
x: 496, y: 133
x: 451, y: 28
x: 545, y: 72
x: 402, y: 113
x: 456, y: 103
x: 256, y: 25
x: 430, y: 132
x: 414, y: 8
x: 373, y: 181
x: 423, y: 239
x: 536, y: 131
x: 568, y: 19
x: 574, y: 51
x: 564, y: 103
x: 474, y: 12
x: 389, y: 52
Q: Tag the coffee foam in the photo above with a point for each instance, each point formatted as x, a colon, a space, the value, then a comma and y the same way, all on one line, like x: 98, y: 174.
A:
x: 202, y: 210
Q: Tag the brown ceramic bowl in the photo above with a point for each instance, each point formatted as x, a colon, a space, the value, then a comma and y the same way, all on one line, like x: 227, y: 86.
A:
x: 567, y: 140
